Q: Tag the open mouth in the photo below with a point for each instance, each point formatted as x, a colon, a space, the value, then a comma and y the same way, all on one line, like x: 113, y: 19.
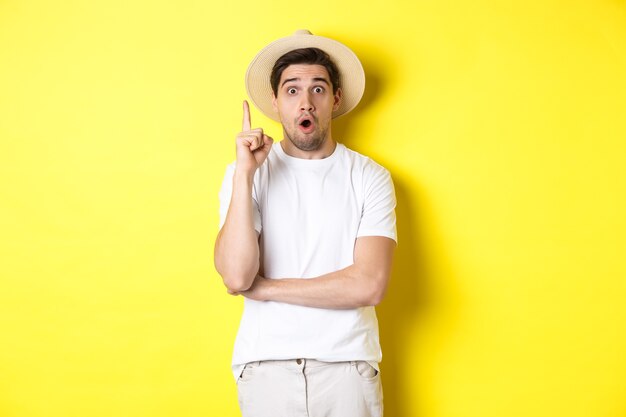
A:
x: 306, y: 125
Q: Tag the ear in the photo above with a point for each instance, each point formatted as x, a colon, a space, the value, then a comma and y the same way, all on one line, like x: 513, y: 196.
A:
x: 274, y: 102
x: 337, y: 99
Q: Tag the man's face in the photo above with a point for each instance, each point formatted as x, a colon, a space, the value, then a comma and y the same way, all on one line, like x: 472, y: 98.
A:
x: 305, y: 103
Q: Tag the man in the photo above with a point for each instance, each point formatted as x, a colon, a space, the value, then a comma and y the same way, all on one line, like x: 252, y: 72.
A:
x: 307, y: 237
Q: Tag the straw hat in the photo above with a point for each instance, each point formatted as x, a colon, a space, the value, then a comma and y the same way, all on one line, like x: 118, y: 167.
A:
x: 351, y: 75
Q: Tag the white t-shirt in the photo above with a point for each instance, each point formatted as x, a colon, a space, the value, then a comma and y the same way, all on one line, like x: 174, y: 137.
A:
x: 309, y: 213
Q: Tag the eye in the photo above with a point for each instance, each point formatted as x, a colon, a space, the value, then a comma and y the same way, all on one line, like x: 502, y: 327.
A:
x: 291, y: 90
x: 318, y: 89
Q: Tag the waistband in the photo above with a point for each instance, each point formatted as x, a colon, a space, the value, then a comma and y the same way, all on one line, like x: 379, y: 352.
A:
x: 298, y: 363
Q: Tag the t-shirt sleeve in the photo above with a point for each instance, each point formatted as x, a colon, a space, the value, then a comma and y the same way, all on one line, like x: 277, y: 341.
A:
x: 379, y: 216
x: 225, y: 194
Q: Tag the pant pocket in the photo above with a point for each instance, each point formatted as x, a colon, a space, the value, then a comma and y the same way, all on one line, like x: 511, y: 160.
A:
x: 365, y: 370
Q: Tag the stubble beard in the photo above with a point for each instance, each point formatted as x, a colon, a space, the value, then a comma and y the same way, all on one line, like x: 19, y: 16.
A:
x: 307, y: 142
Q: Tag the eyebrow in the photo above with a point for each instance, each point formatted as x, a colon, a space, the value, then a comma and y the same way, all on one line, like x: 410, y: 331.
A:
x: 319, y: 79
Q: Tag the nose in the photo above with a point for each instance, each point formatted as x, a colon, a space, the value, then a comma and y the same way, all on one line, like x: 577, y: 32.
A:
x: 306, y: 104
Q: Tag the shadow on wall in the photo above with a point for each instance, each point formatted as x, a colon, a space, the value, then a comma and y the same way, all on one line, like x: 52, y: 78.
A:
x: 402, y: 307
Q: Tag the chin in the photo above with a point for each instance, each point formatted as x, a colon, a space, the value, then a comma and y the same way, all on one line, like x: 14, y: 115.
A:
x: 309, y: 144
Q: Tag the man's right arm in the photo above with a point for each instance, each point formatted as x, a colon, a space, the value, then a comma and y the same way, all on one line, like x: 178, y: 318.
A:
x: 236, y: 246
x: 236, y: 254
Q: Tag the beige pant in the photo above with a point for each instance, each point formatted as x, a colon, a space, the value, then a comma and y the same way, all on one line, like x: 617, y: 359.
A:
x: 309, y: 388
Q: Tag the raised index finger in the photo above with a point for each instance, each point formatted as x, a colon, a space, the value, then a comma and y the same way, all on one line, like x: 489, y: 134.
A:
x: 246, y: 117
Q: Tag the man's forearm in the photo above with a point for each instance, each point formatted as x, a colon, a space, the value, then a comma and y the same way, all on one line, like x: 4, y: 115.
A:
x: 363, y: 283
x: 338, y: 290
x: 237, y: 247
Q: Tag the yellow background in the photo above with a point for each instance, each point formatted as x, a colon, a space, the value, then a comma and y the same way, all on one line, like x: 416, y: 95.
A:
x: 502, y: 124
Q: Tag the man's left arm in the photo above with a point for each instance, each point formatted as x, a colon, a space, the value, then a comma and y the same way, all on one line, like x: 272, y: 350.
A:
x: 361, y: 284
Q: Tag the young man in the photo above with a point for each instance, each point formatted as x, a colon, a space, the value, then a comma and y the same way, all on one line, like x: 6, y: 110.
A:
x: 307, y: 237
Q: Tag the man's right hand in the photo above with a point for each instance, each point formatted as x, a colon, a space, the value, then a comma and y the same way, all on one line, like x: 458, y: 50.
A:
x: 253, y: 145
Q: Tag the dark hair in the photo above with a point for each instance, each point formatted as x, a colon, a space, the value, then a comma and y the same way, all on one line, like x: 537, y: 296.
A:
x: 312, y: 56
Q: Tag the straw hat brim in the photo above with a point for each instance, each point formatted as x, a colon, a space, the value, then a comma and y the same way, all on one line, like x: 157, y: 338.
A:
x: 352, y: 76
